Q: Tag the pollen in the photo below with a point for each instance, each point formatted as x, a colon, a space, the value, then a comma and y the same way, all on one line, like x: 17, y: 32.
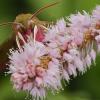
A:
x: 44, y: 61
x: 98, y: 26
x: 87, y: 38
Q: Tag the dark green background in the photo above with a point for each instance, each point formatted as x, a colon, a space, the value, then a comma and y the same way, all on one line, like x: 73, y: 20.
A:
x: 84, y: 87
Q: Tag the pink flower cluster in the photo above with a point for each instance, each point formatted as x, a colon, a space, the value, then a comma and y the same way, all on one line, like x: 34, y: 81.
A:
x: 34, y: 70
x: 68, y: 47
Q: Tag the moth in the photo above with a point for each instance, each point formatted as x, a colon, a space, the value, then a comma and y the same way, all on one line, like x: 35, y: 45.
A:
x: 23, y: 26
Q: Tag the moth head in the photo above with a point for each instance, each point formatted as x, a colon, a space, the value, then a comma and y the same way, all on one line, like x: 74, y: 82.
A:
x: 25, y: 22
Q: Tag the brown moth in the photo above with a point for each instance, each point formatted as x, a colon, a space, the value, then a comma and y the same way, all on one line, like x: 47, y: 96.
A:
x: 23, y: 26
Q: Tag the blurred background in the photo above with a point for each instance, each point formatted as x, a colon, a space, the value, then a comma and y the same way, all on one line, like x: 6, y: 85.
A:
x: 83, y: 87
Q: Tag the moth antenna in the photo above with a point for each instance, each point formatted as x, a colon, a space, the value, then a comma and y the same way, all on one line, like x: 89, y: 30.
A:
x: 7, y: 23
x: 43, y: 8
